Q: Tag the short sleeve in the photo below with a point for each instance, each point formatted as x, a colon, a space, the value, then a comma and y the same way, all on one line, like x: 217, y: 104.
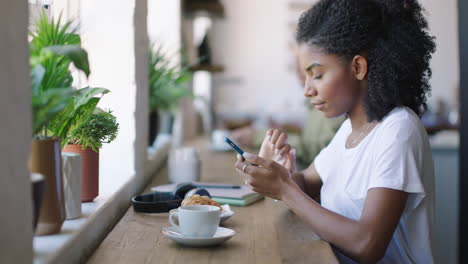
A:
x: 399, y: 160
x: 327, y: 156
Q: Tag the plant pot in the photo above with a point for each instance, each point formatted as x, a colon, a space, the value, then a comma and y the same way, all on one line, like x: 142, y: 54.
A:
x: 89, y: 171
x: 153, y: 127
x: 72, y: 184
x: 45, y: 159
x: 37, y: 188
x: 166, y: 121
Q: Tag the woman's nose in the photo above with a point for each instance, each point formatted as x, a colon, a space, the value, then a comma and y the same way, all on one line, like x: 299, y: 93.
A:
x: 309, y: 90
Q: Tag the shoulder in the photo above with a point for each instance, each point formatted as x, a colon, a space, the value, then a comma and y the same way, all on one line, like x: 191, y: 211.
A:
x: 400, y: 133
x: 401, y: 124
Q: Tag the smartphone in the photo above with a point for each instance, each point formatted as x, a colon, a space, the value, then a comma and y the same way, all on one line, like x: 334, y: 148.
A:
x: 236, y: 148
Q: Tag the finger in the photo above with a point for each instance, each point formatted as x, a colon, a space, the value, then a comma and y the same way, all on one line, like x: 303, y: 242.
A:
x: 284, y: 150
x: 237, y: 165
x: 291, y: 164
x: 255, y: 159
x: 250, y: 169
x: 282, y: 155
x: 274, y: 136
x: 250, y: 181
x: 282, y: 139
x: 240, y: 158
x: 269, y: 133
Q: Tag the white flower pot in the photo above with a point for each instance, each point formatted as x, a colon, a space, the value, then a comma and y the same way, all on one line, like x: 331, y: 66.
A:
x: 71, y: 164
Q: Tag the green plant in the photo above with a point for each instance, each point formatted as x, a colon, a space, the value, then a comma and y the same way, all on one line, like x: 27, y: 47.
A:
x: 167, y: 82
x: 55, y: 46
x: 52, y: 49
x: 101, y: 128
x: 76, y: 114
x: 45, y: 104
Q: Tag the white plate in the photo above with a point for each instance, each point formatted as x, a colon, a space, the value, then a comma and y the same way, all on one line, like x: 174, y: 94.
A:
x: 225, y: 214
x: 222, y: 234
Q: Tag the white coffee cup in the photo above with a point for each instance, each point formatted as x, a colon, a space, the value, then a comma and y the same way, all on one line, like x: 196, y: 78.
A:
x: 184, y: 165
x: 196, y: 220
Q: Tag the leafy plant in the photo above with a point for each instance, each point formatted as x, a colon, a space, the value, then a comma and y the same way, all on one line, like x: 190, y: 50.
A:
x: 55, y: 46
x: 48, y: 32
x: 167, y: 83
x: 76, y: 114
x: 101, y: 128
x: 58, y: 108
x: 46, y: 104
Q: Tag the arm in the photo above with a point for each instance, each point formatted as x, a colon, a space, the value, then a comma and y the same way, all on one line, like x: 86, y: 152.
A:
x: 308, y: 181
x: 364, y: 240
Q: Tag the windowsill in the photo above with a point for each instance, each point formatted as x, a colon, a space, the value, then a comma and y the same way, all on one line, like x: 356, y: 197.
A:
x: 46, y: 248
x: 79, y: 237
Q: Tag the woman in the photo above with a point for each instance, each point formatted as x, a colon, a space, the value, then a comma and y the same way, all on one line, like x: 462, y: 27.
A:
x: 368, y: 60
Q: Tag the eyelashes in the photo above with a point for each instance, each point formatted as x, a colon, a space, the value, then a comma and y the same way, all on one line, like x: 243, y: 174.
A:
x: 318, y: 77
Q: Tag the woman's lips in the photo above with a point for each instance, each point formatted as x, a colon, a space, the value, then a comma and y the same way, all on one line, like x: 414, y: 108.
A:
x: 318, y: 105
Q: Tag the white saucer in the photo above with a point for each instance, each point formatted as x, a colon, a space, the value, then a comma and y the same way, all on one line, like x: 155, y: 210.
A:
x: 225, y: 214
x: 222, y: 234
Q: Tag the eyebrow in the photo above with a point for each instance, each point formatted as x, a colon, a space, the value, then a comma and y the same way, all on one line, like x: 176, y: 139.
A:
x: 312, y: 66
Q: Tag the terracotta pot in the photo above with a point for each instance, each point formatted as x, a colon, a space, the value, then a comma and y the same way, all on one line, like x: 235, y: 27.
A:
x: 89, y: 171
x: 45, y: 158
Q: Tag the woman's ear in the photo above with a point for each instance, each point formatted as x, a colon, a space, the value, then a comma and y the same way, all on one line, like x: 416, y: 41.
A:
x: 359, y: 65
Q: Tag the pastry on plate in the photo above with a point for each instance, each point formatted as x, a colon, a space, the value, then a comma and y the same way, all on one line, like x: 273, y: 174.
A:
x: 200, y: 200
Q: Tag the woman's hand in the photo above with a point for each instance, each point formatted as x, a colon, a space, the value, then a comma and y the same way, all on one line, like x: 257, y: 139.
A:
x: 269, y: 178
x: 275, y: 147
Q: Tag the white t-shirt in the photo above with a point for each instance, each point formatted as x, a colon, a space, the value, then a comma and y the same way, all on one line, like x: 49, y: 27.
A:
x: 396, y: 154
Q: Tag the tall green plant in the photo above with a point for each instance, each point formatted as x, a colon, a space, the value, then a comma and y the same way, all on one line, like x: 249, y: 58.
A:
x: 45, y: 104
x: 58, y: 109
x: 167, y: 82
x: 55, y: 46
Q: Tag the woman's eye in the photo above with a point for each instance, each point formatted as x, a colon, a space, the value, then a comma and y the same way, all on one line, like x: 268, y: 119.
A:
x: 318, y: 77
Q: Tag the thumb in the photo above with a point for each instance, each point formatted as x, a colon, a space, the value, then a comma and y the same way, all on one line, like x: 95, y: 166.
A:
x: 255, y: 159
x: 291, y: 163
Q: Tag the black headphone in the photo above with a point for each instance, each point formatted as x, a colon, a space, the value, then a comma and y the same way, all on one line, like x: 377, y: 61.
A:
x: 162, y: 202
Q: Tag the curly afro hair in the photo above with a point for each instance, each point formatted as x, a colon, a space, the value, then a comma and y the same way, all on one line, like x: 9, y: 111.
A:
x: 393, y: 33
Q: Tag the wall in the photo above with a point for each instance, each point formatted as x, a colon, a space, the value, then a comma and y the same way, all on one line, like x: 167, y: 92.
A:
x: 252, y: 43
x: 115, y: 36
x: 15, y: 135
x: 164, y: 23
x: 442, y: 18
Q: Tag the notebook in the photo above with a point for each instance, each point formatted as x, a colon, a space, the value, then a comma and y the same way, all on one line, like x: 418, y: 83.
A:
x: 233, y: 196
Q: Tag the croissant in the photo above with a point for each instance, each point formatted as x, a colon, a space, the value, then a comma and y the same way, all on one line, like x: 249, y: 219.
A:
x: 201, y: 200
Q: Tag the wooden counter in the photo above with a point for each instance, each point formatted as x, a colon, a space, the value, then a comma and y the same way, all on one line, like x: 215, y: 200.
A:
x: 267, y: 231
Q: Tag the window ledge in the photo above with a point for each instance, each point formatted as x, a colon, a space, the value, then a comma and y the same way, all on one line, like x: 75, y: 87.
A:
x: 79, y: 237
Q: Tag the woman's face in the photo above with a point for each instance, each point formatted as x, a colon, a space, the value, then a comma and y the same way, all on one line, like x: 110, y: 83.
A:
x: 330, y: 83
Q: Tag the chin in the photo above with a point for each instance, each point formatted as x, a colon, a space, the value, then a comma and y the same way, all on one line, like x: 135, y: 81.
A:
x: 332, y: 114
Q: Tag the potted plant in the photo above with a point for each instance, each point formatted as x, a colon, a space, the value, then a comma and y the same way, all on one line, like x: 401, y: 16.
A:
x: 101, y: 128
x: 52, y: 49
x: 167, y: 86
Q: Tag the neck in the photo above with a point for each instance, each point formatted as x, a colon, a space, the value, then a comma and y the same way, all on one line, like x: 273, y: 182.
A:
x: 358, y: 117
